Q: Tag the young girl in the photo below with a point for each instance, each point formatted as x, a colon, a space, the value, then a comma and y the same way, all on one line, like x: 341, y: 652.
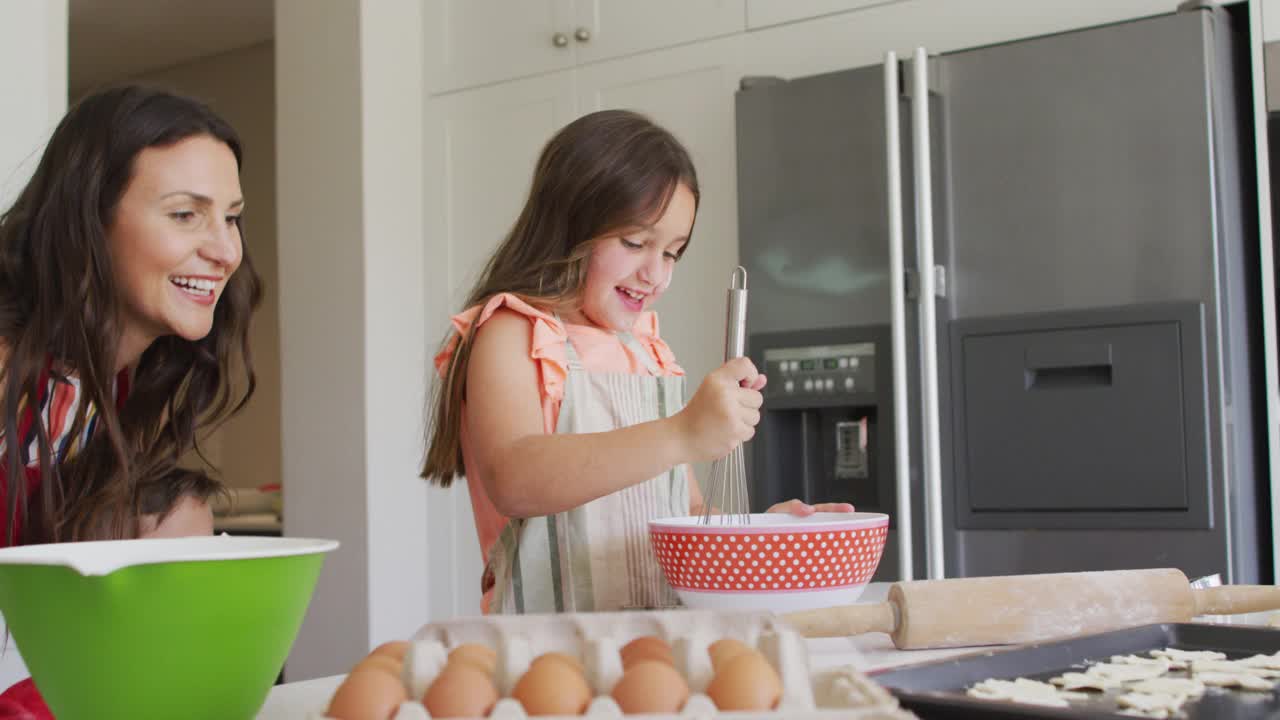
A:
x: 560, y: 402
x: 125, y: 297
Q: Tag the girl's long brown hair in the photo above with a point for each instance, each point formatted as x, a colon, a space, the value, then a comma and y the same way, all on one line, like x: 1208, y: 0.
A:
x: 600, y: 174
x: 60, y: 309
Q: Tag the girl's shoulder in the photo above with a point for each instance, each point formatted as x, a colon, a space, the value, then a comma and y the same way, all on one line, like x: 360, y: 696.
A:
x: 509, y: 313
x: 477, y: 315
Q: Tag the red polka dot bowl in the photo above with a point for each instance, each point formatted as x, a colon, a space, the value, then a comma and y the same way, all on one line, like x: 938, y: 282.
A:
x: 779, y: 562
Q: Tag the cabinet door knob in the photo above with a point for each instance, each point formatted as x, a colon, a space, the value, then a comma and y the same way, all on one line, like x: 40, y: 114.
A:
x: 560, y: 40
x: 582, y: 34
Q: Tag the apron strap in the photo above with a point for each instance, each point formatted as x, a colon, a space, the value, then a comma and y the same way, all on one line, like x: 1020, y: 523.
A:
x: 571, y: 355
x: 641, y: 354
x: 627, y: 339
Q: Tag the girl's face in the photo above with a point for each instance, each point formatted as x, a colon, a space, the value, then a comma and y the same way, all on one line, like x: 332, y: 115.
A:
x: 175, y: 240
x: 628, y: 271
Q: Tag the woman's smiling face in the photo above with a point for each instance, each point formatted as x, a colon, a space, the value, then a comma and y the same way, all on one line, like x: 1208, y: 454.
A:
x: 175, y: 240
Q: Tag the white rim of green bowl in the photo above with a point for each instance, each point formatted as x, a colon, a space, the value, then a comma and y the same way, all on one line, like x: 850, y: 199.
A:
x: 103, y: 557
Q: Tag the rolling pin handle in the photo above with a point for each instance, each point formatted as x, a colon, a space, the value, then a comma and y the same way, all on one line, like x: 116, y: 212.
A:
x: 845, y: 620
x: 1236, y: 599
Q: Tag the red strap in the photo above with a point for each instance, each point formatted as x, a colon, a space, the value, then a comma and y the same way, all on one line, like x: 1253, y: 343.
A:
x: 23, y: 702
x: 33, y: 473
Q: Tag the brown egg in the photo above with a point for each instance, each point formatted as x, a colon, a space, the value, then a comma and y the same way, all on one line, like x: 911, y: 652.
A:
x: 725, y: 649
x: 651, y: 686
x: 462, y: 689
x: 647, y: 647
x: 482, y: 656
x: 396, y: 650
x: 552, y: 687
x: 745, y: 682
x: 560, y: 657
x: 367, y: 694
x: 382, y: 662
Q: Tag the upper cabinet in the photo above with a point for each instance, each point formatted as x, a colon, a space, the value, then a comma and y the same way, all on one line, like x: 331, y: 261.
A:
x: 862, y: 36
x: 763, y: 13
x: 476, y: 42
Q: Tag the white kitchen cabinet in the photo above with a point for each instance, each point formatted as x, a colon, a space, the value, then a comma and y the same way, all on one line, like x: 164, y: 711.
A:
x: 625, y: 27
x: 486, y: 142
x: 473, y: 42
x: 764, y: 13
x: 476, y: 42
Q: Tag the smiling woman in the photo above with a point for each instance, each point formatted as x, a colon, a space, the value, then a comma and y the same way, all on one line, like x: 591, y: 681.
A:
x: 125, y: 298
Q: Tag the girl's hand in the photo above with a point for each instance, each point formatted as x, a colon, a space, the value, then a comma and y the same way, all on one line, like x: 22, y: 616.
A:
x: 800, y: 508
x: 723, y: 412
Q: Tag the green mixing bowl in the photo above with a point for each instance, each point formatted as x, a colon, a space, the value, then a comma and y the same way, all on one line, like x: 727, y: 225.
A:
x: 192, y: 628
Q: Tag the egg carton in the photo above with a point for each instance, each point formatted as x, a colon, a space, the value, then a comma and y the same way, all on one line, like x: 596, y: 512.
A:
x: 596, y: 638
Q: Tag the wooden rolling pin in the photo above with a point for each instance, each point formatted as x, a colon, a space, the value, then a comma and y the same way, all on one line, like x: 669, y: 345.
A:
x: 1026, y: 608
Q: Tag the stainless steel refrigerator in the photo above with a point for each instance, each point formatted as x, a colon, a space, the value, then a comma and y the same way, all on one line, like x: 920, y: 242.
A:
x: 1010, y: 296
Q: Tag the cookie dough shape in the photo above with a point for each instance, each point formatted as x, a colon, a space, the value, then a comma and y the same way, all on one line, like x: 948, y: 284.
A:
x: 1180, y: 659
x: 1270, y: 662
x: 1232, y: 666
x: 1155, y: 705
x: 1127, y: 673
x: 1243, y: 681
x: 1084, y: 681
x: 1190, y: 687
x: 1138, y: 660
x: 1021, y: 690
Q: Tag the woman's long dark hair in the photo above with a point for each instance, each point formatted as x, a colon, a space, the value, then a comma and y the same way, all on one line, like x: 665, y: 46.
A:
x: 601, y: 173
x: 60, y: 310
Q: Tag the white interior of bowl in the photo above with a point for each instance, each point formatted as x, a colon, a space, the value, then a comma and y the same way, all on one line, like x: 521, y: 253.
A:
x: 815, y: 522
x: 104, y: 557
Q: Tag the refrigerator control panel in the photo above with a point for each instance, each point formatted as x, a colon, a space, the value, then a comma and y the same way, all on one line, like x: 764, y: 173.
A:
x: 820, y: 370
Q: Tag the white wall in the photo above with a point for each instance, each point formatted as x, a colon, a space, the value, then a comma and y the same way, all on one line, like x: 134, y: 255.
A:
x: 33, y: 97
x: 240, y: 86
x: 33, y: 85
x: 349, y: 103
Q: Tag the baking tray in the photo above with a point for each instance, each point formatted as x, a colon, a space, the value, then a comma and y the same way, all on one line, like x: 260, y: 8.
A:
x: 936, y: 689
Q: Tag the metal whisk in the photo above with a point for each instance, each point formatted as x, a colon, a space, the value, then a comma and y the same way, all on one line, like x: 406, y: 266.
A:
x: 727, y: 486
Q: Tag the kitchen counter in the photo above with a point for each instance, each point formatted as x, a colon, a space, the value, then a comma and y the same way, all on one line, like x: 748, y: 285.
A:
x: 868, y: 653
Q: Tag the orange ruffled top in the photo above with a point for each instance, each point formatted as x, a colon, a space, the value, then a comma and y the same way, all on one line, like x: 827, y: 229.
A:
x: 599, y: 351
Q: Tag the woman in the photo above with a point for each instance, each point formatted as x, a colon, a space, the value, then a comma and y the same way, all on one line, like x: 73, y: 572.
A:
x: 125, y: 297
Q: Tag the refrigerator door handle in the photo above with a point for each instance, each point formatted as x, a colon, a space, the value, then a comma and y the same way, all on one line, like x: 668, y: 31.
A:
x: 898, y: 321
x: 931, y: 436
x: 1266, y: 256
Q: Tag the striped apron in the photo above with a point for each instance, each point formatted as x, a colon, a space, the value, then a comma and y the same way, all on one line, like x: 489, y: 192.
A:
x: 596, y: 557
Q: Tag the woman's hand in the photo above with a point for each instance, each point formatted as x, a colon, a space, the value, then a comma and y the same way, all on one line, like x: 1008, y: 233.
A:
x: 723, y: 412
x: 800, y: 508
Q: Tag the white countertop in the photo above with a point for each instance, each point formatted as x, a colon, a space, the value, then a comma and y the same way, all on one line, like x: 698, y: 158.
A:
x: 874, y: 651
x: 868, y: 653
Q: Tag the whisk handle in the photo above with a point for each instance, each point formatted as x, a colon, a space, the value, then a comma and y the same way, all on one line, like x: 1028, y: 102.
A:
x: 735, y: 325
